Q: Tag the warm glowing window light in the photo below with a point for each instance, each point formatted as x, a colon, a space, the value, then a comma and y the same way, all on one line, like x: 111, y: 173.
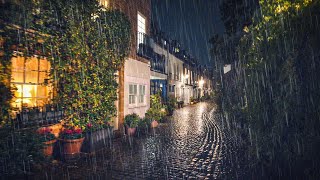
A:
x: 29, y: 79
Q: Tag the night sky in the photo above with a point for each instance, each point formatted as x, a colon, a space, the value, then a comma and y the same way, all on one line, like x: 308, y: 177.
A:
x: 191, y: 22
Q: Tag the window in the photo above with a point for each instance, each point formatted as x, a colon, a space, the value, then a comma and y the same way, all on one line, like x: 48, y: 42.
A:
x: 142, y: 92
x: 104, y: 3
x: 141, y: 29
x: 132, y: 93
x: 30, y: 78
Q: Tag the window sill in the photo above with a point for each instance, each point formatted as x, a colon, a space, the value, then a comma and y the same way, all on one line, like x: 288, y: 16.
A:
x: 132, y: 106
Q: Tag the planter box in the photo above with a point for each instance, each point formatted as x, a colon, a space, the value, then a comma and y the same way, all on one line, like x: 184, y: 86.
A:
x: 97, y: 140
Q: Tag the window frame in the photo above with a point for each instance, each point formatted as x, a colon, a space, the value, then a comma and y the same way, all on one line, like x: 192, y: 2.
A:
x: 134, y: 94
x: 143, y: 95
x: 141, y: 34
x: 42, y: 90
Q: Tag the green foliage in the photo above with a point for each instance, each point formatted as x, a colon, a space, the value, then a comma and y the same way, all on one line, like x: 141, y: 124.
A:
x: 273, y: 90
x: 132, y: 120
x: 157, y: 109
x: 144, y: 123
x: 19, y: 151
x: 85, y: 44
x: 171, y: 104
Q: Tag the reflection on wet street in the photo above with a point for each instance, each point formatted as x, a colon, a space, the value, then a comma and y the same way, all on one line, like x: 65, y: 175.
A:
x: 192, y: 145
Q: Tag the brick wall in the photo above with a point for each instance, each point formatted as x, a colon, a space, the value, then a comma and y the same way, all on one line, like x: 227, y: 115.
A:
x: 131, y: 8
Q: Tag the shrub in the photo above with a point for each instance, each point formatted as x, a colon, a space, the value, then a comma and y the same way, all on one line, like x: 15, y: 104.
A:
x: 132, y: 120
x: 157, y: 110
x: 19, y: 151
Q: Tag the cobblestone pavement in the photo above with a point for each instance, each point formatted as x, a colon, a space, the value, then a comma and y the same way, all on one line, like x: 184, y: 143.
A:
x: 192, y: 145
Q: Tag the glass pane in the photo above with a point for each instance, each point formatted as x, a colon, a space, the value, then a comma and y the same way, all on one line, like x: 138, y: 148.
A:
x: 17, y: 63
x: 29, y: 90
x: 130, y: 89
x: 31, y: 77
x: 42, y: 76
x: 135, y: 89
x: 17, y: 77
x: 42, y: 91
x: 32, y: 64
x: 43, y: 65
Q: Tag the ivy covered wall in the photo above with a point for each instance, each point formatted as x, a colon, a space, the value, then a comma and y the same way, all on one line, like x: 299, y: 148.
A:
x: 85, y: 44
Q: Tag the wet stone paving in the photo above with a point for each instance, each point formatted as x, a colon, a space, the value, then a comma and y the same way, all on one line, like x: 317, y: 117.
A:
x: 193, y: 144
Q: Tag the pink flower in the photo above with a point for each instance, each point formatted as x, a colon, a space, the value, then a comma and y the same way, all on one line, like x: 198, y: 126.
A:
x: 89, y: 125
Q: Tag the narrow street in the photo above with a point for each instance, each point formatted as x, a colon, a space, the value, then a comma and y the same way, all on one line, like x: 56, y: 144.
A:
x: 191, y: 146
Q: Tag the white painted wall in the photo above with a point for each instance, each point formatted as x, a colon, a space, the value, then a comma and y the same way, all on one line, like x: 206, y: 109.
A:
x: 174, y: 62
x: 136, y: 72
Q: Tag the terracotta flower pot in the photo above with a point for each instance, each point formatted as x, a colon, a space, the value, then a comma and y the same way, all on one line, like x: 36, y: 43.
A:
x: 71, y: 146
x: 154, y: 124
x: 48, y: 147
x: 131, y: 131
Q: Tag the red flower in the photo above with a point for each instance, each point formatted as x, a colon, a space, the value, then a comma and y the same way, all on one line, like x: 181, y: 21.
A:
x: 68, y: 131
x: 77, y: 131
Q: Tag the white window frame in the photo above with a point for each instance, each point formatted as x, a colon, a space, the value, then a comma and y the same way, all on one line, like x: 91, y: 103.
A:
x: 141, y: 28
x: 142, y: 94
x: 133, y: 94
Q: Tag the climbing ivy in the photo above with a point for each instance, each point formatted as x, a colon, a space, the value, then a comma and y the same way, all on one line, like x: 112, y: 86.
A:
x: 86, y: 45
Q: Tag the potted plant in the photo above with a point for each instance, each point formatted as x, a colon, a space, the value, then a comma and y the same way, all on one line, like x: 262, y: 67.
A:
x: 72, y: 139
x: 143, y: 125
x: 48, y: 139
x: 131, y: 121
x: 171, y: 104
x: 157, y: 110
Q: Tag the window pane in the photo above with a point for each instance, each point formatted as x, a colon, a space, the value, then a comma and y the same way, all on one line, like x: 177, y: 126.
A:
x: 44, y: 65
x: 135, y: 89
x: 31, y: 77
x: 42, y: 91
x: 43, y: 76
x: 17, y: 63
x: 29, y: 90
x: 32, y: 64
x: 17, y: 77
x: 130, y: 89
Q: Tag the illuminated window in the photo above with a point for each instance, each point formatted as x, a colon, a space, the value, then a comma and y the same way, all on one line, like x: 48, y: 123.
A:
x: 30, y: 78
x: 104, y: 3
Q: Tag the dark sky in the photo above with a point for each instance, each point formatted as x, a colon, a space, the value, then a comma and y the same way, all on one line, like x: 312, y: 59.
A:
x: 191, y: 22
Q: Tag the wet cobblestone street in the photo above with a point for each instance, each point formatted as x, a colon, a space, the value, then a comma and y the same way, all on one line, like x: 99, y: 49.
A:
x: 192, y: 145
